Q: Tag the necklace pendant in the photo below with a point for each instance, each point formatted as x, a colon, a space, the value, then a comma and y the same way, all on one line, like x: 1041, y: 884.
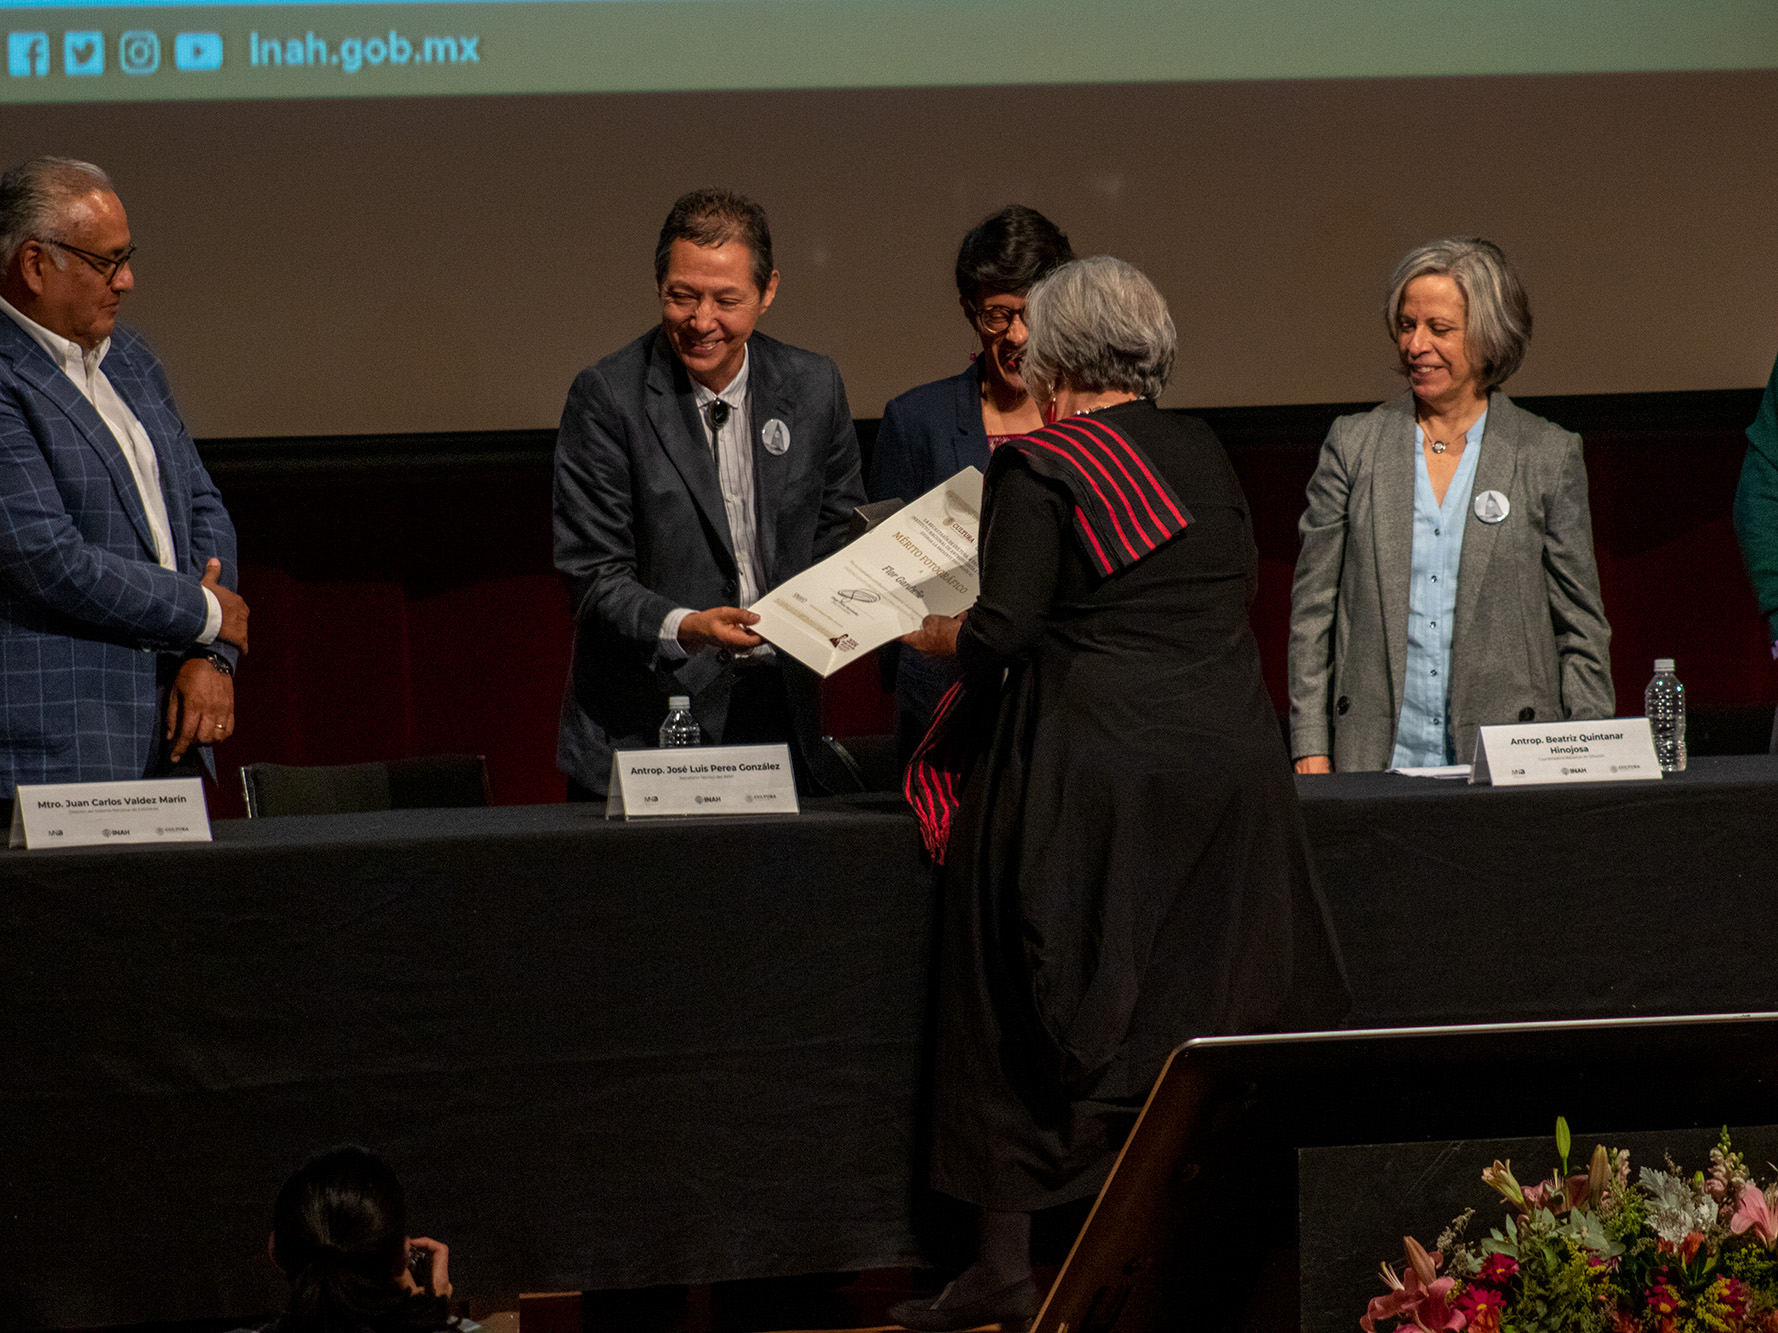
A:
x: 1438, y: 446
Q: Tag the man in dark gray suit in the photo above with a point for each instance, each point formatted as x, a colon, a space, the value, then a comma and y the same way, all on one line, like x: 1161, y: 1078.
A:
x: 696, y: 469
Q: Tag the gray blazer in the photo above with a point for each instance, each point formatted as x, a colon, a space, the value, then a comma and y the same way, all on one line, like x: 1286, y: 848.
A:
x: 1530, y: 641
x: 640, y: 530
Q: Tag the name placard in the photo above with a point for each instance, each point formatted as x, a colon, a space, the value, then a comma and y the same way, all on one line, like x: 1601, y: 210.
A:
x: 702, y: 780
x: 90, y: 814
x: 1618, y: 750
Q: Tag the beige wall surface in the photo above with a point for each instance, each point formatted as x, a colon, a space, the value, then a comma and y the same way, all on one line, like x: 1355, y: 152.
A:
x: 404, y: 265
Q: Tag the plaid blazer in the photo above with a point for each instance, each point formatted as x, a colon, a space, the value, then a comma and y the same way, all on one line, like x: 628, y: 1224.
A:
x: 86, y: 612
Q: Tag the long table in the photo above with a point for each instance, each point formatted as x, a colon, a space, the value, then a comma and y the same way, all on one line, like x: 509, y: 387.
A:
x: 608, y: 1055
x: 1461, y: 904
x: 598, y: 1055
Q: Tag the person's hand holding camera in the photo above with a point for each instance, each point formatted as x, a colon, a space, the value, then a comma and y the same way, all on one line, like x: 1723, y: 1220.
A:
x: 428, y: 1266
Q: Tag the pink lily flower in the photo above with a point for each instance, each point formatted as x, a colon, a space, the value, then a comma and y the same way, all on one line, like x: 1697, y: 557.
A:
x: 1556, y: 1195
x: 1419, y: 1296
x: 1753, y: 1213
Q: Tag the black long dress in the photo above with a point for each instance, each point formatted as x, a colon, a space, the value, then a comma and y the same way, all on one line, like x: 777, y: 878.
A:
x: 1128, y: 867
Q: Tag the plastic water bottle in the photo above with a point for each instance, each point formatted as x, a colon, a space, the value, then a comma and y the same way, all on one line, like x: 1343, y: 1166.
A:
x: 680, y: 728
x: 1665, y: 701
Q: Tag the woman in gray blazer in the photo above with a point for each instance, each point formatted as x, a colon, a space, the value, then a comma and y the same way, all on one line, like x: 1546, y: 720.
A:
x: 1446, y: 579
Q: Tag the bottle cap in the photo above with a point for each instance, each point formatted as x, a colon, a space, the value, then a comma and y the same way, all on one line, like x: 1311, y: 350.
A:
x: 681, y: 703
x: 1663, y: 664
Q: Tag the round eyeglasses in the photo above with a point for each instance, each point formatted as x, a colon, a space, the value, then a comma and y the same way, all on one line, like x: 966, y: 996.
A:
x: 998, y: 318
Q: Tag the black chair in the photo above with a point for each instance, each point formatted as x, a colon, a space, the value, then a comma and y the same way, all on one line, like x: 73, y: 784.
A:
x: 428, y: 782
x: 871, y: 761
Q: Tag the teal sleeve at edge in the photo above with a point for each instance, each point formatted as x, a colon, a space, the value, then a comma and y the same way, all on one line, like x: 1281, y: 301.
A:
x: 1756, y: 505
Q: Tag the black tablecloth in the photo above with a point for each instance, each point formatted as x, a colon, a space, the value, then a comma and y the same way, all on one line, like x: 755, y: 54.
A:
x: 1460, y: 904
x: 598, y: 1055
x: 615, y: 1055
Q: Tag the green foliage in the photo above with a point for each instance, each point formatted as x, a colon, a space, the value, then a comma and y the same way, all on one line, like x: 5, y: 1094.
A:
x: 1754, y: 1265
x: 1585, y: 1231
x: 1629, y: 1217
x: 1559, y: 1289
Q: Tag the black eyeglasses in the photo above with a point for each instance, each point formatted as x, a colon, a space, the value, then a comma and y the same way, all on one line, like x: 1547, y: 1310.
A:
x: 997, y: 318
x: 106, y: 266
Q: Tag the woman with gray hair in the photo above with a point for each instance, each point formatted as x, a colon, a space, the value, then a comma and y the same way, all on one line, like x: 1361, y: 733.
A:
x: 1125, y: 865
x: 1446, y: 579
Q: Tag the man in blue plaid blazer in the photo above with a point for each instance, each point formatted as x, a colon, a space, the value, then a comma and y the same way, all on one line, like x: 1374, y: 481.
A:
x: 119, y: 633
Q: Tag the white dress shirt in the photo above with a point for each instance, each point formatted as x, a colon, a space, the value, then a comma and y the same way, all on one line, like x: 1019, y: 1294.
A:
x: 732, y: 443
x: 82, y: 367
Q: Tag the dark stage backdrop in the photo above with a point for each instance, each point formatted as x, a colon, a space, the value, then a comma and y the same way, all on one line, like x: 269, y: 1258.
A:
x: 405, y: 601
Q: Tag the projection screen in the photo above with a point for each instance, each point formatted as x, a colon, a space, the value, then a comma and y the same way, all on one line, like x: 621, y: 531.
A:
x: 324, y: 253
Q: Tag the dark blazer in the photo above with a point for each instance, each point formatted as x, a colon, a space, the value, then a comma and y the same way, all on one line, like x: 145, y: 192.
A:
x: 929, y: 435
x: 86, y: 612
x: 640, y: 530
x: 1530, y: 642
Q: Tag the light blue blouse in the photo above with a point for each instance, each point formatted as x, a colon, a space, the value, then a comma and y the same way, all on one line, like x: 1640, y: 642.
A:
x: 1423, y: 734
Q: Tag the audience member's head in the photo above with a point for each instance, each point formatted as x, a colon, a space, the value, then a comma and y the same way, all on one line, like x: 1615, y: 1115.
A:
x: 339, y: 1235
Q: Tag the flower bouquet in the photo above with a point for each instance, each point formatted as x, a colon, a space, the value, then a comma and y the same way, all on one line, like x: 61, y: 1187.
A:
x: 1592, y: 1252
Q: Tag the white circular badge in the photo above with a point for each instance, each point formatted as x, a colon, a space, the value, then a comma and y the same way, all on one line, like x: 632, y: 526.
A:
x: 1491, y: 507
x: 775, y: 435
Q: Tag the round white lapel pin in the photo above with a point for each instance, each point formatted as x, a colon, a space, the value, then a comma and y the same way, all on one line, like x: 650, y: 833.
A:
x: 775, y: 435
x: 1492, y: 507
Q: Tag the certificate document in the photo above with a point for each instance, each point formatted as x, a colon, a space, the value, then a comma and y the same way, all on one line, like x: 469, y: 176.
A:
x: 919, y: 561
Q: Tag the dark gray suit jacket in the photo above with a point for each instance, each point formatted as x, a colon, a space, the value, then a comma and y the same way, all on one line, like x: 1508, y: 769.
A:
x: 640, y: 529
x: 1530, y: 642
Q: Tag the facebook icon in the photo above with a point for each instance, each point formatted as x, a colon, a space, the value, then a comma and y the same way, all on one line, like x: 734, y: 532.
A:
x: 27, y: 54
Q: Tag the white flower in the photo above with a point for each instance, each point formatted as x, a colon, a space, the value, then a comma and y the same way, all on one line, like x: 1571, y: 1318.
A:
x: 1674, y: 1209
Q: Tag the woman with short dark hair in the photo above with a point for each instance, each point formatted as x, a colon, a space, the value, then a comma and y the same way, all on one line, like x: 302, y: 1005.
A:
x: 930, y: 434
x: 1446, y: 580
x: 1125, y: 864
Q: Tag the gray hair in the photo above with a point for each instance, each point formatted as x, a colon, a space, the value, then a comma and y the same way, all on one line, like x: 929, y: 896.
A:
x: 35, y: 197
x: 1497, y: 318
x: 1098, y: 324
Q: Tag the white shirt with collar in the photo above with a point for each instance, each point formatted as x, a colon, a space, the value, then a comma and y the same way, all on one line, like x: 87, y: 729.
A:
x: 732, y: 444
x: 82, y: 368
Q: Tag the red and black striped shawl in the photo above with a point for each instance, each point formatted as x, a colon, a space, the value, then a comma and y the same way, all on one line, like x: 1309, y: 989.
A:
x: 1124, y: 511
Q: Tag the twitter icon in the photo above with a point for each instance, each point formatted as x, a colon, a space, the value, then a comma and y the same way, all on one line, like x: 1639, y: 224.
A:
x: 83, y: 53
